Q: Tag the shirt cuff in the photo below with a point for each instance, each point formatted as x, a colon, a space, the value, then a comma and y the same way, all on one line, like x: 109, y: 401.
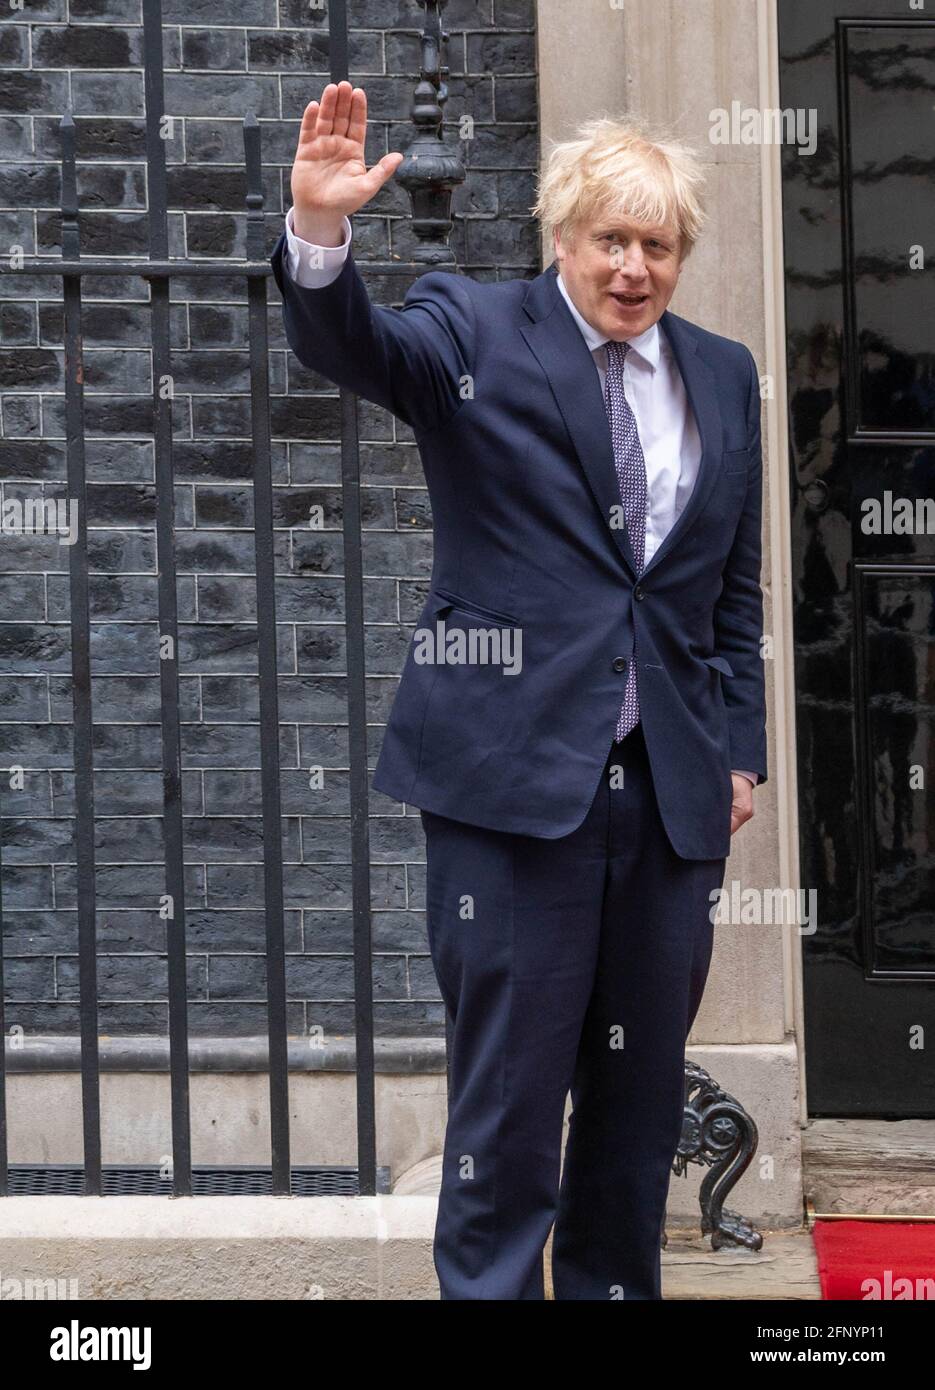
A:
x: 754, y: 777
x: 311, y: 266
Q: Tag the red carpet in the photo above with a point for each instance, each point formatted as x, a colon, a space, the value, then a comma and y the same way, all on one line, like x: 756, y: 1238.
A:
x: 876, y: 1259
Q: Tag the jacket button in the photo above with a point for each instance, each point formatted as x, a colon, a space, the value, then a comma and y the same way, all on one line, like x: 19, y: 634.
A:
x: 639, y: 592
x: 620, y: 663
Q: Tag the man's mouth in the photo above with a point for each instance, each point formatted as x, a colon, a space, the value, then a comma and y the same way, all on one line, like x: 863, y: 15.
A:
x: 631, y: 301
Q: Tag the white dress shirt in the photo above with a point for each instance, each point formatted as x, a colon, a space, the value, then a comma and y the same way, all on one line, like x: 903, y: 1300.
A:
x: 651, y: 378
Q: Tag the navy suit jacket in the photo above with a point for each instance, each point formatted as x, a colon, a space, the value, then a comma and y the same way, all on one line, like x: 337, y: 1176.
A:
x: 502, y: 395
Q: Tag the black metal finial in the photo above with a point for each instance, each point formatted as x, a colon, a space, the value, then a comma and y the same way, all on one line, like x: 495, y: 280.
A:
x: 253, y: 164
x: 431, y: 169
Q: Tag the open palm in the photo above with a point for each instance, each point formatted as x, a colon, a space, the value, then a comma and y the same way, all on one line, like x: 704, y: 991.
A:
x: 330, y: 178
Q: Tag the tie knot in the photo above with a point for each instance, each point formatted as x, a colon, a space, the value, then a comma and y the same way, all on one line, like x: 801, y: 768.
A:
x: 616, y: 357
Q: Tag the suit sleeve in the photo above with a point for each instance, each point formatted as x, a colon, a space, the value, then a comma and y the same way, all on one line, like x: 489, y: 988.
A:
x: 412, y: 361
x: 738, y: 614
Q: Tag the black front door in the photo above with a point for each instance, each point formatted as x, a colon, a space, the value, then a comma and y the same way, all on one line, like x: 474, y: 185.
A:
x: 859, y: 228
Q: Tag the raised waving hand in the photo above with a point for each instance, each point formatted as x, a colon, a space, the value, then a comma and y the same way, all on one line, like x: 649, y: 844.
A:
x: 330, y: 178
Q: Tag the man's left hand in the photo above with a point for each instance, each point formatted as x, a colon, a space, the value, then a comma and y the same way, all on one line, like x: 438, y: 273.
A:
x: 742, y: 805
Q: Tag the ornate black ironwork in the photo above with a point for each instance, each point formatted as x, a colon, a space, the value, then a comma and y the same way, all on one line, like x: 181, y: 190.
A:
x: 718, y: 1133
x: 431, y: 168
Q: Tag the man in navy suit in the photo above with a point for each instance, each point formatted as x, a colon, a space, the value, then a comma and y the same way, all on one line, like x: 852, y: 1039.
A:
x: 581, y: 715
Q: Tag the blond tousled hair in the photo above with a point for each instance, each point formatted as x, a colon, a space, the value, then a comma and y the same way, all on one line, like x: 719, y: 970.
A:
x: 616, y: 168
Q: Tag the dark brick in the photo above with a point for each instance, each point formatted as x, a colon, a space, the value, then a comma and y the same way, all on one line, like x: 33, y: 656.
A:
x: 111, y: 186
x: 29, y: 93
x: 102, y: 234
x: 501, y: 53
x: 224, y: 508
x: 203, y: 188
x: 110, y: 325
x: 120, y: 976
x: 30, y: 185
x: 216, y: 141
x: 19, y: 238
x: 86, y: 46
x: 303, y: 50
x: 96, y: 137
x: 14, y: 46
x: 30, y: 369
x: 16, y: 136
x: 106, y: 94
x: 219, y: 325
x: 188, y: 94
x: 504, y: 147
x: 30, y: 979
x: 516, y: 99
x: 114, y: 11
x: 516, y: 192
x: 213, y: 48
x: 210, y: 460
x: 514, y: 14
x: 18, y: 323
x: 210, y: 12
x: 24, y: 595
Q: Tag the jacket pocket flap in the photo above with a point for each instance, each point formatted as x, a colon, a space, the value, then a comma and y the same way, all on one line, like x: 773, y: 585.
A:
x: 719, y: 663
x: 441, y: 599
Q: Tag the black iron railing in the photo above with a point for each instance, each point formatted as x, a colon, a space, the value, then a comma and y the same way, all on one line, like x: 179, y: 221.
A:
x: 429, y: 173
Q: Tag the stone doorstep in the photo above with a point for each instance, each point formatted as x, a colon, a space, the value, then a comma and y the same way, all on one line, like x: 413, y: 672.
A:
x: 870, y: 1167
x: 785, y: 1268
x: 345, y: 1248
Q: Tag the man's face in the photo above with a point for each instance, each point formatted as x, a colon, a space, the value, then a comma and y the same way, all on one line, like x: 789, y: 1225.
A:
x: 620, y: 274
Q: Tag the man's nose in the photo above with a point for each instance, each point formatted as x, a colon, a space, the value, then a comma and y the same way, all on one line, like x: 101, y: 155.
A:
x: 631, y: 263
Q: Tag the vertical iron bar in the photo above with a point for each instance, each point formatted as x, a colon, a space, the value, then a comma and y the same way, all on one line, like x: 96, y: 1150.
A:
x: 357, y: 728
x: 168, y: 607
x: 76, y: 496
x: 268, y: 669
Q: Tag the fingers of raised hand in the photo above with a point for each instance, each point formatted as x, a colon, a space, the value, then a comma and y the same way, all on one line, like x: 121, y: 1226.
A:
x: 341, y: 111
x: 342, y: 107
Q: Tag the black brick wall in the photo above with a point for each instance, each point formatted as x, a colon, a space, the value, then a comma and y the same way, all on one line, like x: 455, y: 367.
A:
x: 220, y: 58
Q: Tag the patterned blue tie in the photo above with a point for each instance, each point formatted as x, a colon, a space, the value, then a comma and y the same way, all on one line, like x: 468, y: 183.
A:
x: 631, y: 477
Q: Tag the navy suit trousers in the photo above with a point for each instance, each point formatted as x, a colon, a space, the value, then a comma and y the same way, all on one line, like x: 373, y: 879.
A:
x: 577, y: 964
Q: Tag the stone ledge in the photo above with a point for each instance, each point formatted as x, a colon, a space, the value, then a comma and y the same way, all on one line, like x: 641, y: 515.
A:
x: 49, y: 1053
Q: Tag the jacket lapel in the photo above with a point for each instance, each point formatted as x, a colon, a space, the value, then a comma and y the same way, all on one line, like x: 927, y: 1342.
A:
x: 555, y: 339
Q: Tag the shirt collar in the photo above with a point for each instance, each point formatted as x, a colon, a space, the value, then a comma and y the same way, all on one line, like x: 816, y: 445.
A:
x: 646, y: 344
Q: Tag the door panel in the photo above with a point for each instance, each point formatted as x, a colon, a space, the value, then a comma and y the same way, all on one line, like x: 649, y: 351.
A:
x: 859, y: 232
